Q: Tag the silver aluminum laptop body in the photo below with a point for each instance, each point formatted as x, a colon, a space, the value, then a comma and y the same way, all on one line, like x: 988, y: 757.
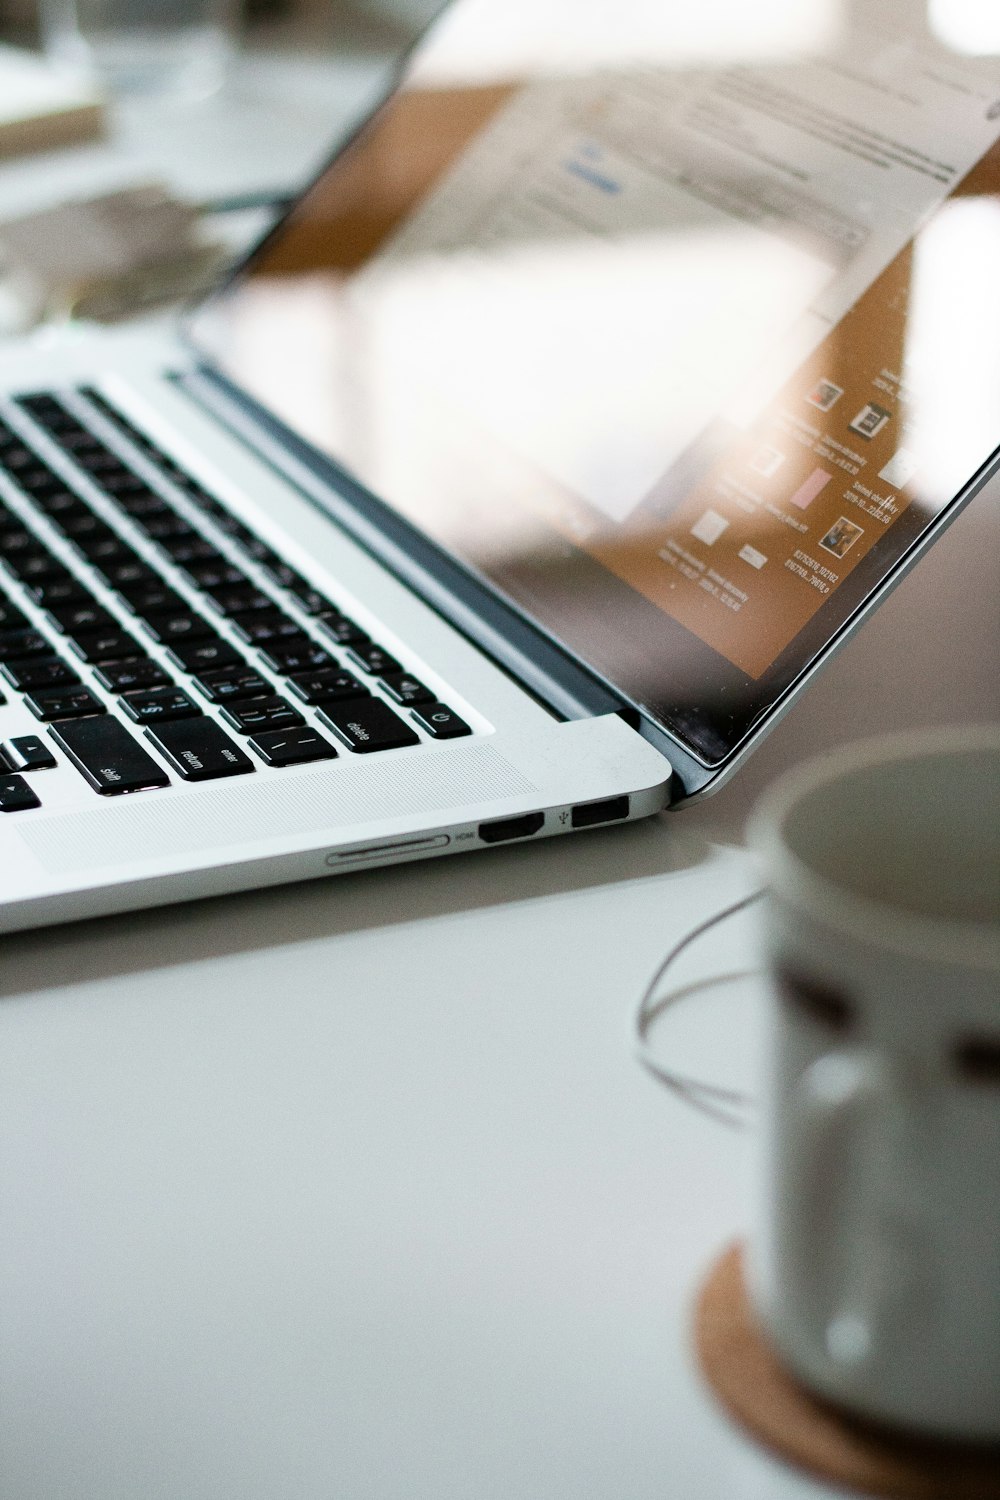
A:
x: 82, y: 855
x: 481, y: 711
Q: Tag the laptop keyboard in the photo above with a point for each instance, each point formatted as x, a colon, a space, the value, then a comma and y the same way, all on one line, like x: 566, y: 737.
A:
x: 217, y: 675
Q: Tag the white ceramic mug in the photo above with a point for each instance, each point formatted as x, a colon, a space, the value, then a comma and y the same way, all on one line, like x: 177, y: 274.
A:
x: 875, y: 1267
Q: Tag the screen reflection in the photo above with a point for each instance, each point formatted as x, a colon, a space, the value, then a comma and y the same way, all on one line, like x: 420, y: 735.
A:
x: 682, y: 357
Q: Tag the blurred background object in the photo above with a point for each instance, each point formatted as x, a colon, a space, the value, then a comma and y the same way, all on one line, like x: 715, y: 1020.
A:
x: 311, y: 20
x: 18, y: 21
x: 40, y: 110
x: 175, y: 48
x: 108, y: 257
x: 268, y: 87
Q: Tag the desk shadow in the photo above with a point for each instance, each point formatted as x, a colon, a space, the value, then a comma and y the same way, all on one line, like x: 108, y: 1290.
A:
x: 189, y: 932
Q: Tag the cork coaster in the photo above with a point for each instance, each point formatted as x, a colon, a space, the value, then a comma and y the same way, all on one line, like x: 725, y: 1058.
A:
x: 747, y: 1378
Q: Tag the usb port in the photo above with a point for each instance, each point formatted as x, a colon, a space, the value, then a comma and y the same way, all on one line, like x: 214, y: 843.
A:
x: 502, y: 829
x: 589, y: 814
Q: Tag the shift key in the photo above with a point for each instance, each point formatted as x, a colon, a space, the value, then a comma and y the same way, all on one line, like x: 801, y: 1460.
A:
x: 199, y: 750
x: 112, y: 761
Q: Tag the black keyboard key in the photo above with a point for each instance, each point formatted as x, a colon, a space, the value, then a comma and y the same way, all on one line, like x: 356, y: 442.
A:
x: 262, y: 713
x: 260, y: 551
x: 286, y: 575
x: 51, y: 414
x: 37, y: 566
x: 26, y: 402
x: 126, y: 676
x: 315, y: 603
x: 124, y: 480
x: 230, y: 684
x: 292, y: 747
x: 11, y: 617
x: 26, y: 752
x: 199, y: 750
x: 240, y: 599
x: 82, y: 614
x: 371, y: 658
x: 329, y: 616
x: 79, y: 442
x: 342, y: 631
x: 198, y: 493
x: 18, y: 457
x: 111, y: 760
x: 215, y: 574
x: 440, y: 721
x: 38, y: 481
x: 103, y: 405
x: 182, y: 626
x: 129, y: 574
x: 230, y: 526
x: 16, y: 795
x: 76, y: 439
x: 96, y: 646
x: 406, y: 689
x: 149, y: 599
x: 45, y: 408
x: 59, y: 591
x: 328, y: 686
x: 59, y: 504
x: 151, y: 705
x: 64, y: 703
x: 295, y: 659
x: 103, y: 552
x: 15, y: 645
x: 16, y: 539
x: 203, y: 656
x: 169, y: 465
x: 368, y: 726
x: 133, y: 495
x: 96, y: 459
x: 85, y: 526
x: 167, y: 526
x: 68, y: 431
x: 39, y: 672
x: 270, y: 626
x: 191, y: 549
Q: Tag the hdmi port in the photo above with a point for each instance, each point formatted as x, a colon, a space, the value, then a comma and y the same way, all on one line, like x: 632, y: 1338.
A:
x: 503, y: 829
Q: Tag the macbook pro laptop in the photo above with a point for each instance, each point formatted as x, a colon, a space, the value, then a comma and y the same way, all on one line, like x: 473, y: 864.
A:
x: 523, y: 476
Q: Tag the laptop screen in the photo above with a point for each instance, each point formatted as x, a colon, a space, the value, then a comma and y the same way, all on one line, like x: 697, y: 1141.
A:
x: 677, y: 324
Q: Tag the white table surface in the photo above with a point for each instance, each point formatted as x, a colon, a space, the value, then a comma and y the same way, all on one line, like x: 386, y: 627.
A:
x: 355, y: 1189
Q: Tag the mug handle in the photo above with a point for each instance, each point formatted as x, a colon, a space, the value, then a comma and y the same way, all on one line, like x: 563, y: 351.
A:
x: 842, y: 1304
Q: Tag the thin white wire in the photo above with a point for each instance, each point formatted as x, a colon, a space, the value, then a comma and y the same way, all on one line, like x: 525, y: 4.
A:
x: 724, y: 1105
